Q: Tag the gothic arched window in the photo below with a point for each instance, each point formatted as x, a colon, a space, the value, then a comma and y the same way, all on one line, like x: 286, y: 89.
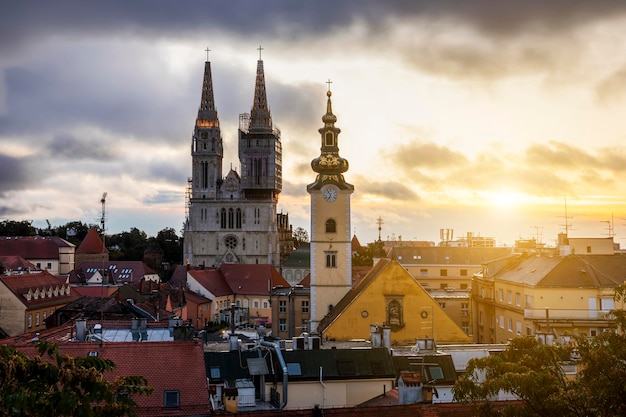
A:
x: 223, y: 218
x: 238, y: 219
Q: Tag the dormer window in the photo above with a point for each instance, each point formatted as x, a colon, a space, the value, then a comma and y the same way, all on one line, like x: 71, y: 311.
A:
x: 36, y: 294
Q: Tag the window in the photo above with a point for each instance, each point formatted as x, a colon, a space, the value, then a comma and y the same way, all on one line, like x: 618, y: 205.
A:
x: 588, y: 249
x: 501, y: 294
x: 230, y: 242
x: 509, y: 298
x: 501, y: 321
x: 518, y: 299
x: 510, y: 324
x: 435, y: 372
x: 443, y: 272
x: 328, y: 139
x: 331, y: 259
x: 294, y: 368
x: 529, y: 301
x: 30, y: 320
x: 518, y: 328
x: 36, y: 319
x: 480, y: 318
x: 463, y: 272
x: 424, y: 272
x: 282, y: 306
x: 331, y: 226
x: 463, y: 286
x: 265, y: 304
x: 464, y: 309
x: 255, y: 303
x: 282, y: 325
x: 442, y: 305
x: 465, y: 326
x: 171, y: 399
x: 443, y: 286
x: 49, y: 265
x: 305, y: 306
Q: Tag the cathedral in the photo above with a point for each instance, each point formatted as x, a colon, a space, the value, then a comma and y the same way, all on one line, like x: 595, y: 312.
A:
x: 233, y: 218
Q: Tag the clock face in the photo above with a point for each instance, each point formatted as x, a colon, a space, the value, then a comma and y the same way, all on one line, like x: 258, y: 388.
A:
x: 205, y: 135
x: 330, y: 194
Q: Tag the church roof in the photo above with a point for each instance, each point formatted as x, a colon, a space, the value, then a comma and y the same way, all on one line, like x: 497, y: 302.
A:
x: 300, y: 258
x: 355, y: 243
x: 92, y: 243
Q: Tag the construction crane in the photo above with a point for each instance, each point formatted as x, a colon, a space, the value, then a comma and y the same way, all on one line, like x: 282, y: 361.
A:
x: 102, y: 219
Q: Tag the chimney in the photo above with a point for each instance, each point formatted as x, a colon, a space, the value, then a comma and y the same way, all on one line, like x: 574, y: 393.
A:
x: 81, y: 329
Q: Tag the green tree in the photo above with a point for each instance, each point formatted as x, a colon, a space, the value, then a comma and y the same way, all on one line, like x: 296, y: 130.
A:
x: 533, y: 372
x: 300, y: 235
x: 171, y: 245
x: 17, y: 228
x: 74, y: 232
x: 127, y: 246
x: 52, y: 384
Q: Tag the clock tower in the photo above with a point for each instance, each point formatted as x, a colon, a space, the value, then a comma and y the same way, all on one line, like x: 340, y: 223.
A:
x: 331, y: 256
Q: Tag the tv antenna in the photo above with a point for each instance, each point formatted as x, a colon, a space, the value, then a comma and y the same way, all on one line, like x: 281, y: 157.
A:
x: 103, y: 218
x: 380, y: 223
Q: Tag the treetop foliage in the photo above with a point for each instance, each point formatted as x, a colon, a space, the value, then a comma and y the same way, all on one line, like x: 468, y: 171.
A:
x: 534, y: 373
x: 52, y: 384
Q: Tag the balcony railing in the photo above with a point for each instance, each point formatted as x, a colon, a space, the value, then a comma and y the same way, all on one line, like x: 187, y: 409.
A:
x: 566, y: 314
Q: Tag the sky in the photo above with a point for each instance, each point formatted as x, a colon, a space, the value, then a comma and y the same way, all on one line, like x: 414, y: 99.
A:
x: 504, y: 119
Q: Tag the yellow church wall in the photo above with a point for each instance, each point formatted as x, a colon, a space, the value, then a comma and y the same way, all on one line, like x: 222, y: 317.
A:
x: 418, y: 314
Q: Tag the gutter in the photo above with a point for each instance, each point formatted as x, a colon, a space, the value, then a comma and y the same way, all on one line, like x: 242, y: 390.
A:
x: 283, y: 366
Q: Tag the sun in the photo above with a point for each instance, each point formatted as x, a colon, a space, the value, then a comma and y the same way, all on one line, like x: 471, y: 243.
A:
x: 505, y: 199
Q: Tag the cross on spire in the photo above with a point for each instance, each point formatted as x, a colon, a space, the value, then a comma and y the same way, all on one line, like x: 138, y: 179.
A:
x: 329, y: 82
x: 260, y: 49
x: 207, y: 50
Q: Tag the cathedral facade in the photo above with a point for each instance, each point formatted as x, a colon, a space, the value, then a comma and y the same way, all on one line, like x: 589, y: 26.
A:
x: 232, y: 218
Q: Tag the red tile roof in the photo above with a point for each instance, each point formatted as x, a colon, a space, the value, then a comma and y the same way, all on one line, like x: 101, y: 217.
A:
x: 32, y: 247
x: 211, y: 279
x: 44, y: 288
x: 16, y: 263
x: 166, y: 365
x: 252, y: 278
x: 92, y: 243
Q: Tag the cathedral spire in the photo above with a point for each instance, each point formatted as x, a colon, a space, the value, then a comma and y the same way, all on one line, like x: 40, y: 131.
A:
x: 260, y: 118
x: 207, y: 114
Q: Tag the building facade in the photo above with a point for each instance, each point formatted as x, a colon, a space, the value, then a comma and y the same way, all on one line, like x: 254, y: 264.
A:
x: 331, y: 243
x: 233, y: 218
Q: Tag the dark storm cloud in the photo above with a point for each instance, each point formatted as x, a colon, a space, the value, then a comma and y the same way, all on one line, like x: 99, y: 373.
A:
x: 68, y: 146
x: 32, y: 19
x: 17, y: 173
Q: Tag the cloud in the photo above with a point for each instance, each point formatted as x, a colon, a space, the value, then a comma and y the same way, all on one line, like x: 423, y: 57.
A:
x: 612, y: 89
x: 68, y: 146
x: 17, y: 173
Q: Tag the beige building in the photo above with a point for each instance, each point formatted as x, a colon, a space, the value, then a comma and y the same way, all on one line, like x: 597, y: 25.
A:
x: 546, y: 296
x: 51, y: 253
x: 446, y: 273
x: 27, y: 300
